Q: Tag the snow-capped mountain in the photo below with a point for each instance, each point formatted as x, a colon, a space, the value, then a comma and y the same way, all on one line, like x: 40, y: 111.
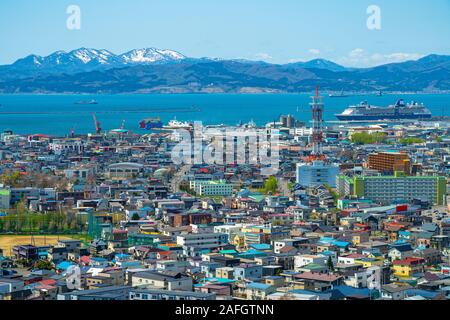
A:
x: 164, y: 71
x: 151, y: 55
x: 85, y: 60
x: 82, y: 56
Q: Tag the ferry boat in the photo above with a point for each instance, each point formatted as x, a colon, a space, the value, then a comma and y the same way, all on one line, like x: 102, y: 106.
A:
x: 175, y: 124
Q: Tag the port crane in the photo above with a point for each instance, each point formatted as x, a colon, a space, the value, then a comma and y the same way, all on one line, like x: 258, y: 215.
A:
x: 98, y: 128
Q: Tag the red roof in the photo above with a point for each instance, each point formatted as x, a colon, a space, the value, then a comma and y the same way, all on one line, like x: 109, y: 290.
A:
x: 48, y: 282
x: 85, y: 259
x: 409, y: 261
x: 164, y: 253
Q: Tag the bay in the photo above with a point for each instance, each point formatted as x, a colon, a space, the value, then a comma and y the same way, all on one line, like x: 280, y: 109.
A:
x: 57, y: 114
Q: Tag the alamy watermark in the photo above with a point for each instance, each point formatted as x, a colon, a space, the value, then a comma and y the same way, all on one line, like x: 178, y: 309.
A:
x: 374, y: 19
x: 229, y: 145
x: 73, y: 21
x: 73, y: 277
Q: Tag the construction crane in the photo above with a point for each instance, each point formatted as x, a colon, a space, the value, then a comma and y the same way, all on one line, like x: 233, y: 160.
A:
x: 98, y: 129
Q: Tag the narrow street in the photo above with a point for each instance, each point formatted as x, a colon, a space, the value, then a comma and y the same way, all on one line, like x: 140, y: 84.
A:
x: 178, y: 177
x: 283, y: 187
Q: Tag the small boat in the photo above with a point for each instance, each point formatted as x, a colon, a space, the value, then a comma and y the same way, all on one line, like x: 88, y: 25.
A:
x: 338, y: 95
x: 87, y: 102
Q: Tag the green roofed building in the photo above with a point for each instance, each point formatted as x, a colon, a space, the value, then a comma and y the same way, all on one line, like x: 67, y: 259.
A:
x: 388, y: 189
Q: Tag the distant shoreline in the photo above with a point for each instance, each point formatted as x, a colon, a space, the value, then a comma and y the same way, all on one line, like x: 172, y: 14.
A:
x: 324, y: 93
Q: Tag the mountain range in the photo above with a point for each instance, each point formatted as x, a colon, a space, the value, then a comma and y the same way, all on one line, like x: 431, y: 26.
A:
x: 152, y: 70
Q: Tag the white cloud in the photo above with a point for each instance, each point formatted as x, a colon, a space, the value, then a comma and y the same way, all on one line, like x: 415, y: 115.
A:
x: 361, y: 58
x: 357, y: 53
x: 263, y: 56
x: 314, y: 52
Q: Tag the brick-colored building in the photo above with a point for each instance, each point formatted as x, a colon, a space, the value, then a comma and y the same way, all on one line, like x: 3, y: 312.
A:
x: 389, y: 162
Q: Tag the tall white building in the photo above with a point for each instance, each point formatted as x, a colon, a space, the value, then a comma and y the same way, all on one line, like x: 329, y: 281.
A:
x: 316, y: 174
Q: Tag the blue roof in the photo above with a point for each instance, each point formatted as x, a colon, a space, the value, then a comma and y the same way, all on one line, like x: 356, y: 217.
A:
x: 328, y: 240
x: 274, y: 277
x: 401, y: 246
x: 353, y: 292
x: 341, y: 243
x: 220, y: 280
x: 423, y: 293
x: 98, y: 259
x: 261, y: 246
x: 259, y: 286
x: 227, y: 251
x: 128, y: 264
x: 64, y: 265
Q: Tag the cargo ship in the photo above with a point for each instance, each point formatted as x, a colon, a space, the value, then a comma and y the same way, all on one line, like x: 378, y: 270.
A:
x: 399, y: 111
x: 151, y: 124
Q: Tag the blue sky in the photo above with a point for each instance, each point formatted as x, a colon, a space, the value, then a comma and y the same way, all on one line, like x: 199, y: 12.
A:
x: 277, y: 31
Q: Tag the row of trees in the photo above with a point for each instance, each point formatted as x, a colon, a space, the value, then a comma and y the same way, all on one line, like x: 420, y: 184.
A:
x: 411, y: 140
x: 368, y: 138
x: 65, y: 222
x: 18, y: 179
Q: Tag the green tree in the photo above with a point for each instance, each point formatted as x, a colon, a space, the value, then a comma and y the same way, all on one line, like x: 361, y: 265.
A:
x: 135, y: 216
x: 43, y: 265
x: 11, y: 178
x: 21, y: 206
x: 368, y: 138
x: 270, y: 185
x: 410, y: 140
x: 74, y: 225
x: 333, y: 193
x: 52, y: 227
x: 330, y: 264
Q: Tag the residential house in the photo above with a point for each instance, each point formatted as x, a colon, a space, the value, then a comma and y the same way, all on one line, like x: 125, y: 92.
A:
x: 408, y: 266
x: 162, y: 280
